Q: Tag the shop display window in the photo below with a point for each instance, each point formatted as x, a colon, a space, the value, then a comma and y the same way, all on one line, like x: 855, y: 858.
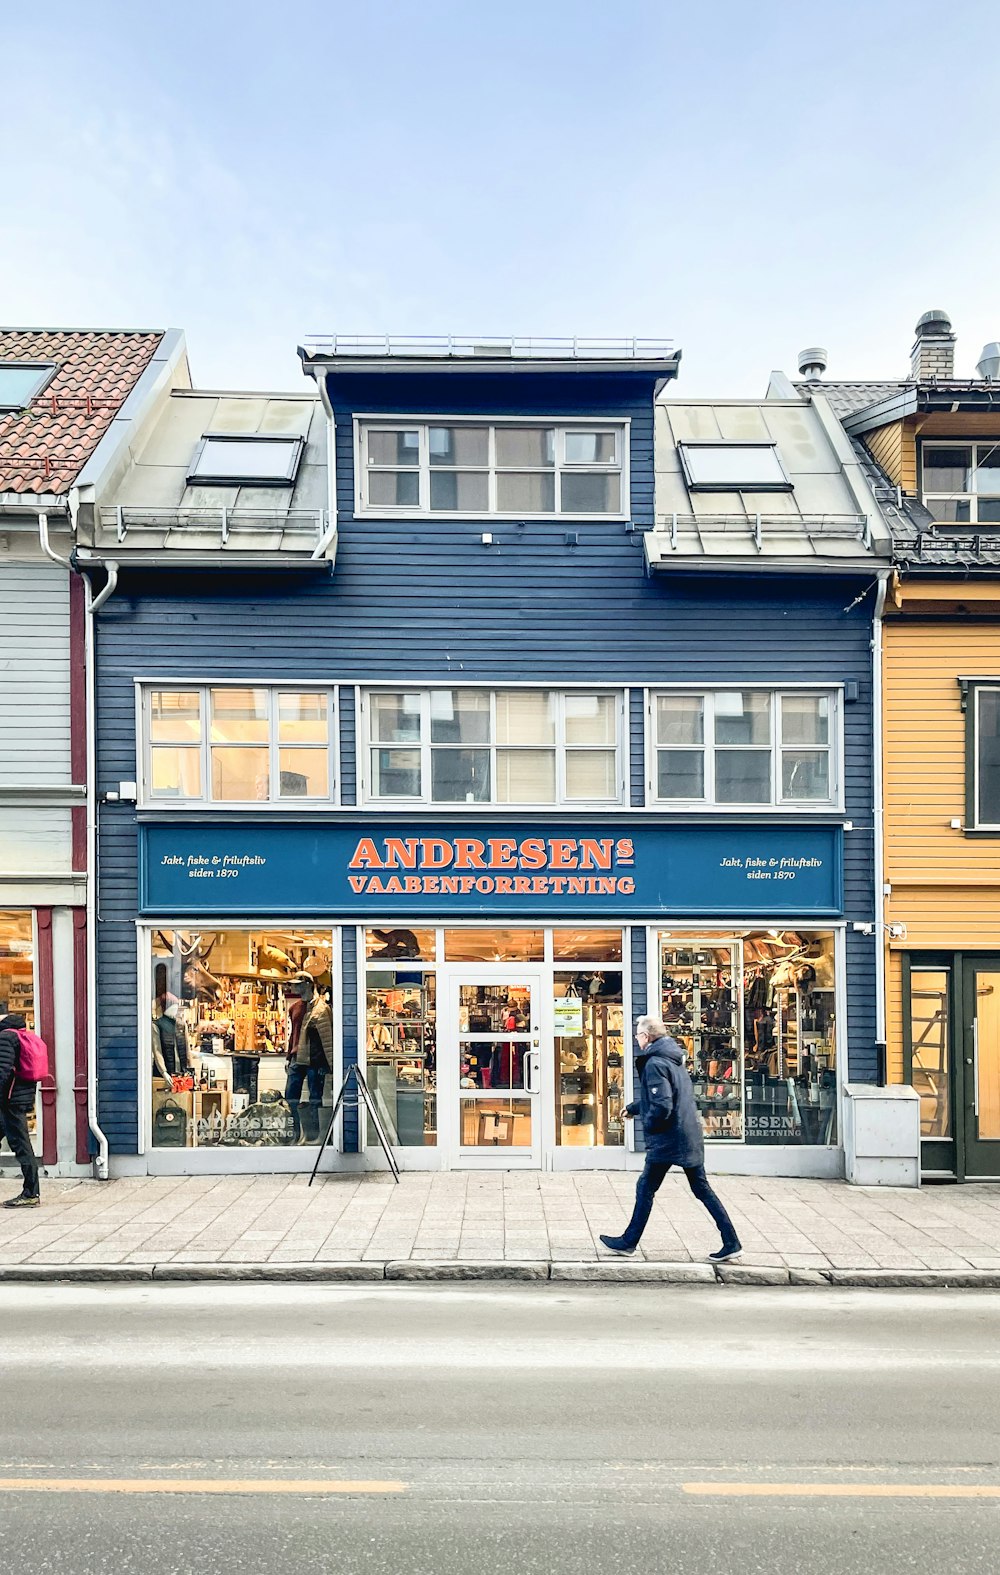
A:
x: 755, y: 1013
x: 385, y: 944
x: 590, y: 1058
x: 587, y: 945
x: 242, y: 1037
x: 401, y: 1052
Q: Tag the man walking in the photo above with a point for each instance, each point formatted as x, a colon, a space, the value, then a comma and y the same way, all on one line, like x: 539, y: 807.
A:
x: 674, y: 1136
x: 17, y: 1100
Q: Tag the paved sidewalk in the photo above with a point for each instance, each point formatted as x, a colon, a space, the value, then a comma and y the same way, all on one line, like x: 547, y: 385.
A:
x: 798, y: 1230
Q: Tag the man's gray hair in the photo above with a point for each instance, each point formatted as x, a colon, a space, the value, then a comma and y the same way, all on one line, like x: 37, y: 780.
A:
x: 652, y: 1027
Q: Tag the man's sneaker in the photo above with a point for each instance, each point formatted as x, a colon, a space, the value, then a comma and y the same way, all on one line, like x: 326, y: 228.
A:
x: 728, y: 1250
x: 617, y: 1244
x: 24, y: 1200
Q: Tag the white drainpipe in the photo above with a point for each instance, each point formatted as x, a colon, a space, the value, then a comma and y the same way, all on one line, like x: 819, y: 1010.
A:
x: 93, y: 605
x: 879, y: 821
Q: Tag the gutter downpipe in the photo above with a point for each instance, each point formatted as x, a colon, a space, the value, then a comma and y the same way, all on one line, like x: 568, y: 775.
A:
x: 331, y: 466
x: 93, y: 604
x: 881, y: 932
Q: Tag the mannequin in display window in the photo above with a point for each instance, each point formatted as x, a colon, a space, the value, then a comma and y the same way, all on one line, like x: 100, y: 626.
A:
x: 310, y: 1053
x: 170, y: 1041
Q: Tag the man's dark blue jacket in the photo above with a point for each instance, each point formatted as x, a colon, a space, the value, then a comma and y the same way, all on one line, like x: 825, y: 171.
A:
x: 670, y: 1118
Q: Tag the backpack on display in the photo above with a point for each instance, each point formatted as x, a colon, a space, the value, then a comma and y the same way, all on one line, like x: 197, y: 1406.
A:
x: 170, y: 1125
x: 32, y: 1057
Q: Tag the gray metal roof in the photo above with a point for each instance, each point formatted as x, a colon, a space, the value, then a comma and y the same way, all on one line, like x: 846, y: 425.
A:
x: 828, y: 519
x: 156, y: 511
x: 920, y: 543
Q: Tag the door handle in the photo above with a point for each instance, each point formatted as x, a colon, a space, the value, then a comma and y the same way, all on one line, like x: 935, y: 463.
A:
x: 531, y: 1072
x: 975, y: 1065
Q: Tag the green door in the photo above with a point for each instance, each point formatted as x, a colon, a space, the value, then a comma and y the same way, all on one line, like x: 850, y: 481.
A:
x: 981, y: 1068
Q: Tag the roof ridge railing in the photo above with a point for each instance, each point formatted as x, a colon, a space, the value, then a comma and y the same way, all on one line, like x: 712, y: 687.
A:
x: 487, y: 346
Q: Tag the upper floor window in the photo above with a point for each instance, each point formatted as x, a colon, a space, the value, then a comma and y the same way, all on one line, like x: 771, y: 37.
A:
x: 961, y: 482
x: 20, y: 381
x: 246, y: 459
x: 745, y: 748
x: 733, y: 467
x: 516, y: 468
x: 494, y: 746
x: 982, y: 701
x: 231, y: 745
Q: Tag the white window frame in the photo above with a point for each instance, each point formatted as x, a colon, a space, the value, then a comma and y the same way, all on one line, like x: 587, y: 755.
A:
x: 367, y: 745
x: 834, y: 804
x: 365, y: 423
x: 972, y: 498
x: 144, y: 688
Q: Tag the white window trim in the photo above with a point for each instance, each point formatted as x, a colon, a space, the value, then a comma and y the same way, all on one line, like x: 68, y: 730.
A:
x: 777, y: 806
x: 977, y: 823
x: 365, y: 746
x: 972, y: 498
x: 147, y: 800
x: 621, y: 425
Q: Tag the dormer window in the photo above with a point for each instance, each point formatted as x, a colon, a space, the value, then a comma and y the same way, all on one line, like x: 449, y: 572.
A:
x: 20, y: 381
x: 245, y: 460
x: 960, y: 482
x: 733, y: 467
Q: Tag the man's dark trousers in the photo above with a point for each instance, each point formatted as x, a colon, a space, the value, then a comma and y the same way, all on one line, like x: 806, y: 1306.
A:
x: 649, y: 1184
x: 14, y: 1112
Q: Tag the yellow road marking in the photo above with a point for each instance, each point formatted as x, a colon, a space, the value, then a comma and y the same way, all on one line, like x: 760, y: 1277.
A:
x: 188, y: 1485
x: 840, y: 1490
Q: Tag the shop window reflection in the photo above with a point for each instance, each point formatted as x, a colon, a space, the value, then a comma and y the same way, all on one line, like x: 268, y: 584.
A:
x: 401, y: 1053
x: 930, y: 1049
x: 242, y: 1037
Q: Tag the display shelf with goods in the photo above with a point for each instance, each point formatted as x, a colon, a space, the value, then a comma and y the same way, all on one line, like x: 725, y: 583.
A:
x: 701, y: 985
x: 401, y: 1053
x: 222, y: 1009
x: 590, y: 1082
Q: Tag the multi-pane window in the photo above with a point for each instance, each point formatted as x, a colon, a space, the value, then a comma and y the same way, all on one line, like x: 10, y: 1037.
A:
x: 961, y: 482
x: 230, y: 745
x: 513, y: 468
x: 744, y: 747
x: 504, y: 746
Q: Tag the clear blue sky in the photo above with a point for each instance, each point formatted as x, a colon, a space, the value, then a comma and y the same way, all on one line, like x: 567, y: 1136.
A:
x: 744, y: 176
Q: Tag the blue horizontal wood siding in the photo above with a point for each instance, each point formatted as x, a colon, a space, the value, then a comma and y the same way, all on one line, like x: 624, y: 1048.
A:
x: 412, y: 601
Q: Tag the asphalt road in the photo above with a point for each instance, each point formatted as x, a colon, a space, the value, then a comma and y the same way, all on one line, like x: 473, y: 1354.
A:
x: 538, y: 1428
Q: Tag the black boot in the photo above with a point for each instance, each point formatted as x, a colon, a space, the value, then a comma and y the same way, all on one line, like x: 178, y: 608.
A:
x: 24, y: 1200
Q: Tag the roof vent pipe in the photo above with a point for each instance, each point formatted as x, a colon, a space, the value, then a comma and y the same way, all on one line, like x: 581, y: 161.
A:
x: 933, y: 354
x: 812, y: 363
x: 988, y: 365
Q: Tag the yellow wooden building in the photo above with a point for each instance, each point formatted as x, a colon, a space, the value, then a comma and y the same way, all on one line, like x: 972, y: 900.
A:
x: 935, y: 440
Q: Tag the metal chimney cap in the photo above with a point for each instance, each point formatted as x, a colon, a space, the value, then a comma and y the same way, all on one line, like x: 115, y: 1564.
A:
x: 813, y: 362
x: 936, y: 322
x: 988, y: 365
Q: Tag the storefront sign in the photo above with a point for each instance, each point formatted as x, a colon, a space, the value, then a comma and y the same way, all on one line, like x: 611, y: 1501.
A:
x: 375, y: 871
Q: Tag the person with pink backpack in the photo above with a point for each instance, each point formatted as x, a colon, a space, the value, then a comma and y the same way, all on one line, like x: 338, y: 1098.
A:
x: 23, y: 1064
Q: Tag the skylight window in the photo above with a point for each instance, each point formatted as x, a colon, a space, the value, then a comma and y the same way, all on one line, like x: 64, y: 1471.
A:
x: 733, y: 467
x: 246, y: 460
x: 20, y: 381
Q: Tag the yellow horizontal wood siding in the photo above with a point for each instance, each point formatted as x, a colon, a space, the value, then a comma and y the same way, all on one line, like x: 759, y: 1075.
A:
x: 886, y: 446
x: 945, y: 885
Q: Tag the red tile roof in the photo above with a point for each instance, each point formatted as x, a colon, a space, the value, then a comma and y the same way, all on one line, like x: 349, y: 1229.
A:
x: 44, y: 448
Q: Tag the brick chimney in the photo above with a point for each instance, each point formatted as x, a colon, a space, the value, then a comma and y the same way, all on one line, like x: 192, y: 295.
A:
x: 932, y: 358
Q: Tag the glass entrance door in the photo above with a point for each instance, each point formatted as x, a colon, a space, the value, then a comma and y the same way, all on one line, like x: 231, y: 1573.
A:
x: 489, y: 1066
x: 982, y: 1073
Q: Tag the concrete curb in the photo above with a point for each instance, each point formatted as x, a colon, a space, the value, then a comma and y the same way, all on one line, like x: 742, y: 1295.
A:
x: 601, y: 1272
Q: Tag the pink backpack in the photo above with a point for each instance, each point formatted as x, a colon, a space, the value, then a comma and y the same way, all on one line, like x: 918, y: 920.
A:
x: 33, y: 1059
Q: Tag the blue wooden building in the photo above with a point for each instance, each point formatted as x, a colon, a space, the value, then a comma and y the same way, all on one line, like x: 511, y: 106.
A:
x: 455, y: 712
